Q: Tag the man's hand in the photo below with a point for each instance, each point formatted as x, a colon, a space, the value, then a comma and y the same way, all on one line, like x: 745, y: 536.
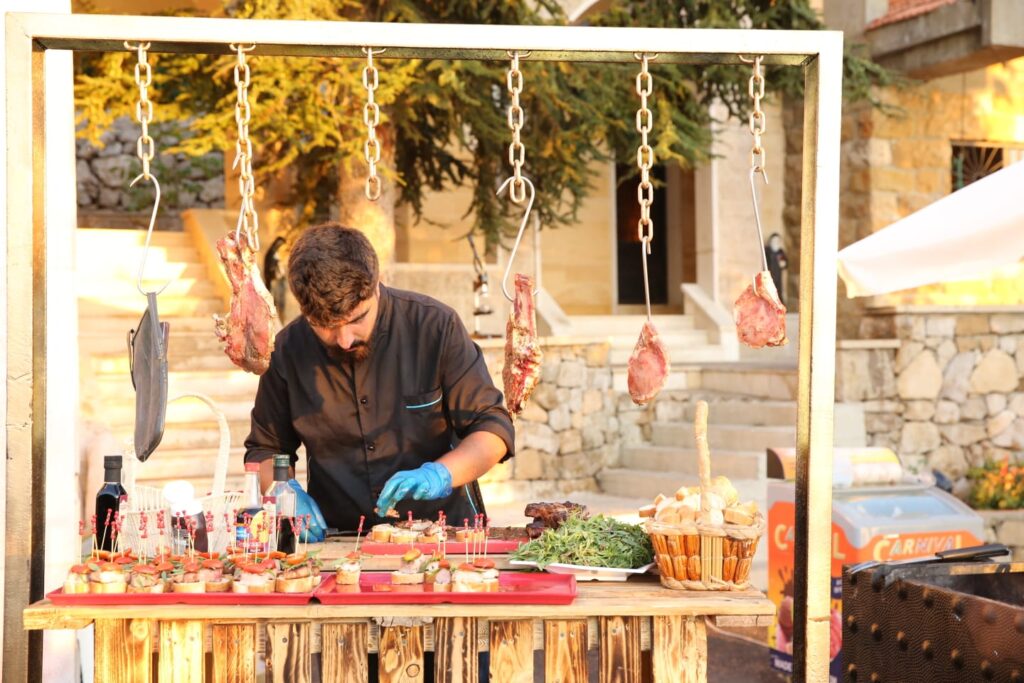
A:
x: 305, y: 505
x: 430, y: 481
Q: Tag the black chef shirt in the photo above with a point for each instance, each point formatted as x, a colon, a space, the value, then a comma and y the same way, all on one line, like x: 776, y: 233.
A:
x: 423, y: 387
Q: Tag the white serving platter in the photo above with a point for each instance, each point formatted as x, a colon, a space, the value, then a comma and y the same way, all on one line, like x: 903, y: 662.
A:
x: 583, y: 573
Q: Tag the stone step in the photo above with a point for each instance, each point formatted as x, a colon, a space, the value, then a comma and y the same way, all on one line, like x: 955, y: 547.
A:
x: 96, y: 289
x: 118, y: 363
x: 753, y: 380
x: 683, y: 348
x: 182, y: 343
x: 157, y: 273
x: 732, y: 464
x: 725, y: 437
x: 727, y: 409
x: 648, y: 483
x: 129, y: 306
x: 107, y: 326
x: 678, y: 379
x: 120, y: 238
x: 218, y: 385
x: 615, y: 325
x: 104, y: 257
x: 181, y: 412
x: 190, y: 435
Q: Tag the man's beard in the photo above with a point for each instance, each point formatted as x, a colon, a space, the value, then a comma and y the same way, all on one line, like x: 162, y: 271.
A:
x: 359, y: 352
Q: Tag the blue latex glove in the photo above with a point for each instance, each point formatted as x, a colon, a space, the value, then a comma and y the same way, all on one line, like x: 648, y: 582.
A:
x: 305, y: 505
x: 430, y: 481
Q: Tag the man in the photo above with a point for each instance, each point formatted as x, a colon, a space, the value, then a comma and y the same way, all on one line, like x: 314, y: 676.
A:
x: 384, y: 388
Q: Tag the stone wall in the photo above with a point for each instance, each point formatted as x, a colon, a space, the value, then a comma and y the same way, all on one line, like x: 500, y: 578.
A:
x: 1006, y: 527
x: 947, y: 394
x: 569, y: 430
x: 103, y: 172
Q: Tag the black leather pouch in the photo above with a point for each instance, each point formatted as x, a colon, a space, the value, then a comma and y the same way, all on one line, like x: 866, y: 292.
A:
x: 147, y: 357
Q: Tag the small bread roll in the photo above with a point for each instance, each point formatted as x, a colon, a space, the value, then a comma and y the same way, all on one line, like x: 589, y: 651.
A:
x: 660, y: 497
x: 735, y: 515
x: 723, y: 487
x: 648, y: 510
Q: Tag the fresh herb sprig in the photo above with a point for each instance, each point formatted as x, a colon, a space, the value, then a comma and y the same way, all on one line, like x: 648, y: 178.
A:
x: 596, y: 542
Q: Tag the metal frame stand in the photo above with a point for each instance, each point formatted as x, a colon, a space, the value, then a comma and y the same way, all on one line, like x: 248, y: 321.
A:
x: 819, y: 53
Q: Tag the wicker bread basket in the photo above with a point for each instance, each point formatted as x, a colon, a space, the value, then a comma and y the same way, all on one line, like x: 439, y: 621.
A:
x: 703, y: 555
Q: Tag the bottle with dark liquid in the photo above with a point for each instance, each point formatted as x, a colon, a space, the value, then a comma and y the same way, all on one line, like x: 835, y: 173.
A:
x: 108, y: 501
x: 252, y: 524
x: 282, y: 497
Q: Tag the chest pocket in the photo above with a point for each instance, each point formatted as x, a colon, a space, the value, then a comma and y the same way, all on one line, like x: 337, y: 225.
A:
x: 424, y: 413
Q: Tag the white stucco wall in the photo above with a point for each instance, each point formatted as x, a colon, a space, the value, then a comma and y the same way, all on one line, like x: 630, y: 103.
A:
x: 62, y: 354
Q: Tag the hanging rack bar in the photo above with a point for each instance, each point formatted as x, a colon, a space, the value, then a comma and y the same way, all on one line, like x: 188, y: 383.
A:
x: 406, y: 41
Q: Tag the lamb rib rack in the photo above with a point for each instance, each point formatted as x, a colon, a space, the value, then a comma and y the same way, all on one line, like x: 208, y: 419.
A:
x: 522, y: 350
x: 249, y: 328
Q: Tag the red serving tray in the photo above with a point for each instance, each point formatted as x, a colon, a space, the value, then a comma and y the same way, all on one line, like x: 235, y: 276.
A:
x: 515, y: 588
x: 58, y: 597
x: 451, y: 548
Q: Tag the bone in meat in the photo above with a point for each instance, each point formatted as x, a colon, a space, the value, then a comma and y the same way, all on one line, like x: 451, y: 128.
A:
x: 522, y: 352
x: 760, y: 316
x: 249, y: 328
x: 648, y: 366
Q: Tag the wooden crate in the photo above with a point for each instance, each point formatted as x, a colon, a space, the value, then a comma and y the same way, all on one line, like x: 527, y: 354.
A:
x: 225, y: 643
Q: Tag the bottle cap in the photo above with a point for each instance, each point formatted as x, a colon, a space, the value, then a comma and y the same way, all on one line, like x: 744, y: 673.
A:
x: 252, y: 467
x: 111, y: 462
x: 282, y: 460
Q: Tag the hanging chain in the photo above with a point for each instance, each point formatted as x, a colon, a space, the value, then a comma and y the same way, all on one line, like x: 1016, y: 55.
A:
x: 516, y: 117
x: 247, y: 218
x: 371, y: 117
x: 645, y: 160
x: 758, y: 123
x: 645, y: 154
x: 144, y: 146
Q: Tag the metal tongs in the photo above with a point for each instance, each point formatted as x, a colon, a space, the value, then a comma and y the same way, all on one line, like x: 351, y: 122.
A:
x: 978, y: 553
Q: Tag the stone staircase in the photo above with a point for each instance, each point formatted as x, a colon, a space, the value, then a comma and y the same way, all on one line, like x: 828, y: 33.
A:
x: 750, y: 408
x: 109, y: 305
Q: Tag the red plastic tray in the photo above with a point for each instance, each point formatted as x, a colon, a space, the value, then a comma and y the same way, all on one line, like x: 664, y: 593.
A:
x: 58, y: 597
x: 515, y: 588
x: 452, y: 547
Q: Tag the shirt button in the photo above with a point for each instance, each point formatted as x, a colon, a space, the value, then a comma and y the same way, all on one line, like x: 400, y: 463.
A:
x: 370, y: 447
x: 363, y: 400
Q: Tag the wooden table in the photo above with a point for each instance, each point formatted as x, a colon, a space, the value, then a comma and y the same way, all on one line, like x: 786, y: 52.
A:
x: 641, y: 631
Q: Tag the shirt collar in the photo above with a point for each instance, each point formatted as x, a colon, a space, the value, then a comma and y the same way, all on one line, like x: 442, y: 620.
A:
x: 383, y: 324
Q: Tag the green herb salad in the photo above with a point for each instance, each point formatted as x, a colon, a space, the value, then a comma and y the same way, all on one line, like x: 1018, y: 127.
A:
x: 596, y: 542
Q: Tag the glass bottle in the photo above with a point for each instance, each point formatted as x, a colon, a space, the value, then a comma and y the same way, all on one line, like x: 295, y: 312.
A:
x: 108, y: 501
x: 252, y: 524
x: 283, y: 498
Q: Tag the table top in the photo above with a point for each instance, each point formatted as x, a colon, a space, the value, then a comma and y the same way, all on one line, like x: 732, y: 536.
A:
x: 639, y: 596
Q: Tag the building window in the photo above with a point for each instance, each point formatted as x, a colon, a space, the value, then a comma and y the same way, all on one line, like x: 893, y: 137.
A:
x: 974, y: 160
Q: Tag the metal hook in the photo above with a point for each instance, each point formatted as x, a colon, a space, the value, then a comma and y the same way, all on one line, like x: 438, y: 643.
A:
x: 149, y: 231
x: 757, y: 213
x: 519, y: 236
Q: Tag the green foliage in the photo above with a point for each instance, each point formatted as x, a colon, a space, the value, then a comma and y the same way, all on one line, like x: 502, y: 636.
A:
x: 997, y: 486
x: 596, y: 542
x: 443, y: 122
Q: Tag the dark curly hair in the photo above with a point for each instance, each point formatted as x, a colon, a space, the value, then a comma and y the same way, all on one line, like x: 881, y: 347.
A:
x: 330, y: 270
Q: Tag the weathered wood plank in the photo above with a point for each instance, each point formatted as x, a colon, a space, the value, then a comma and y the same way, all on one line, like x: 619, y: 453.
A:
x: 181, y: 652
x: 638, y: 596
x: 401, y: 654
x: 455, y: 650
x: 679, y: 652
x: 123, y: 650
x: 619, y: 649
x: 234, y: 653
x: 511, y: 648
x: 344, y: 652
x: 565, y: 651
x: 288, y: 652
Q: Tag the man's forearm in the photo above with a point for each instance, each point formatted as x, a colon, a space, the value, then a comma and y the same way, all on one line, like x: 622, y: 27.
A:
x: 474, y: 457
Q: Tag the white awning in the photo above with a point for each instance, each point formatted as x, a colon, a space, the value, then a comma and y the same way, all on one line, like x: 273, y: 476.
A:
x: 963, y: 236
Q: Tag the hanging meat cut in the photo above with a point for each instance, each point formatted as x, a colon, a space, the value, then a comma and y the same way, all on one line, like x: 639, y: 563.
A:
x: 760, y: 316
x: 648, y: 366
x: 249, y: 328
x: 522, y: 350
